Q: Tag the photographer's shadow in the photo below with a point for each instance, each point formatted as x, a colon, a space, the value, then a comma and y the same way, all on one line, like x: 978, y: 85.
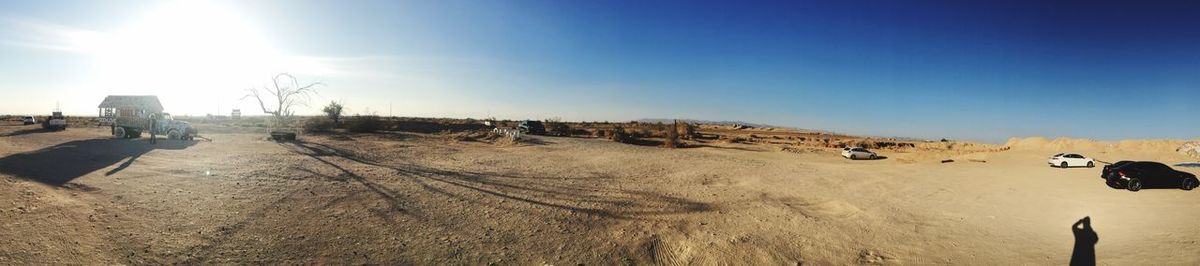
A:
x: 1084, y: 252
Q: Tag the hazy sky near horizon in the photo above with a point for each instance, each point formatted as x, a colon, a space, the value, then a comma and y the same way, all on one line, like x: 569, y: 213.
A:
x: 979, y: 70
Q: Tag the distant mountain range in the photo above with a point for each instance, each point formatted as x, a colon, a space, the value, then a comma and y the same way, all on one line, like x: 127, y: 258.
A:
x: 707, y: 122
x: 757, y: 125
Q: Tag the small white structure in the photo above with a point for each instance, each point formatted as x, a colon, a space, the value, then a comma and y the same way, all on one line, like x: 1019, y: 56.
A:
x: 511, y: 133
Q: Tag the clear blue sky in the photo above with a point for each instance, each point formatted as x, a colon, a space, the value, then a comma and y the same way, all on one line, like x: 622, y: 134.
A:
x: 979, y: 70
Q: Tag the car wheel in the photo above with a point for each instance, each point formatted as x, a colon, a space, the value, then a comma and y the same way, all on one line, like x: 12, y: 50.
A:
x: 873, y: 157
x: 853, y: 157
x: 173, y: 134
x: 1090, y: 165
x: 119, y: 132
x: 1188, y: 184
x: 1134, y: 184
x: 1064, y: 165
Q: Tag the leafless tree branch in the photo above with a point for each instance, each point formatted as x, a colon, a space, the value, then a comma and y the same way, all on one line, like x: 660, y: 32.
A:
x: 286, y: 95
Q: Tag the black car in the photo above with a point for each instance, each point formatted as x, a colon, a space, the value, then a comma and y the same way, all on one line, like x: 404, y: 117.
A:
x: 532, y: 127
x: 1107, y: 168
x: 1137, y: 175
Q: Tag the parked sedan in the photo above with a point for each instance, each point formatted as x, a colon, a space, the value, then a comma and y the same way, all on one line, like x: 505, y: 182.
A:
x: 858, y: 153
x: 28, y: 120
x: 1065, y: 160
x: 1137, y: 175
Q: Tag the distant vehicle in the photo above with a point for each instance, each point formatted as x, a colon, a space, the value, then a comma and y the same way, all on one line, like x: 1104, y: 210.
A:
x: 1108, y: 168
x: 1065, y: 160
x: 1137, y: 175
x: 532, y: 127
x: 858, y: 153
x: 28, y: 120
x: 56, y: 121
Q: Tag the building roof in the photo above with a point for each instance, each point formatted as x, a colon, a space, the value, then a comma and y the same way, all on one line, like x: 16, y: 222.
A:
x: 147, y: 102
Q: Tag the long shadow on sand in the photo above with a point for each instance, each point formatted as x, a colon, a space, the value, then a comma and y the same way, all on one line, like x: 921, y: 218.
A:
x: 59, y: 164
x: 25, y: 132
x: 572, y: 194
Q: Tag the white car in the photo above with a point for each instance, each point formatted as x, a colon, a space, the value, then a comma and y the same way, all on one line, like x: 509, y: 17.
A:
x: 1065, y: 160
x: 28, y: 120
x: 858, y: 153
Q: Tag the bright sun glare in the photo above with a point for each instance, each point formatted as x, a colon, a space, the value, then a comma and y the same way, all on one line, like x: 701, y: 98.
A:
x: 183, y: 39
x: 187, y: 46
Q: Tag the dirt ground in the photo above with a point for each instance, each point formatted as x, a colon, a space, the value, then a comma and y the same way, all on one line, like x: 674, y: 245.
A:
x: 80, y: 197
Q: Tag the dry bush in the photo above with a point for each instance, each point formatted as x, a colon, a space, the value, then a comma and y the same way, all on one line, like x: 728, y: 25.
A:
x: 364, y: 124
x: 476, y: 135
x: 319, y: 125
x: 599, y: 133
x: 689, y: 131
x: 555, y: 128
x: 733, y: 139
x: 618, y: 134
x: 672, y: 139
x: 507, y: 141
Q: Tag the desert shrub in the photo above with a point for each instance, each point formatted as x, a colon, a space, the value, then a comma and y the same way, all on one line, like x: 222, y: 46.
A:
x: 599, y: 133
x: 474, y: 135
x: 333, y: 111
x: 733, y: 139
x: 618, y: 134
x: 319, y: 124
x: 672, y: 139
x: 689, y: 131
x: 364, y: 123
x: 555, y: 128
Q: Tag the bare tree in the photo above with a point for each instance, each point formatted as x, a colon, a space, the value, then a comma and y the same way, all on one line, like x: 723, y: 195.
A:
x: 286, y: 94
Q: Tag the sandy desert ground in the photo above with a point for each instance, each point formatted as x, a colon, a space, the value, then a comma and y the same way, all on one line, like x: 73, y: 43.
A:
x: 80, y: 197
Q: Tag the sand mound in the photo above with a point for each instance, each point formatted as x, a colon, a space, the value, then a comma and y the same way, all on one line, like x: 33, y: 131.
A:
x: 1065, y: 144
x: 829, y: 209
x: 1087, y: 145
x: 960, y: 147
x: 1153, y: 149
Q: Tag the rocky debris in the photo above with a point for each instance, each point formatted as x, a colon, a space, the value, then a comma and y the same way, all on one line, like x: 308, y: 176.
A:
x: 1191, y: 148
x: 794, y: 149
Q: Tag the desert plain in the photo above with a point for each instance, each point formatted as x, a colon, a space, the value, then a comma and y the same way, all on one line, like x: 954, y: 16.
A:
x: 397, y: 197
